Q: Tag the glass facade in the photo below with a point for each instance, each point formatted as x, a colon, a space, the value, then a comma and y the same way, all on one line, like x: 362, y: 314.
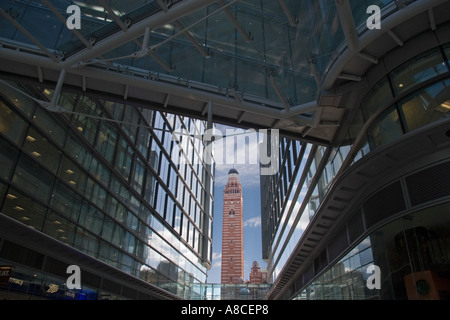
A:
x: 413, y: 251
x: 110, y: 187
x: 220, y: 57
x: 413, y: 96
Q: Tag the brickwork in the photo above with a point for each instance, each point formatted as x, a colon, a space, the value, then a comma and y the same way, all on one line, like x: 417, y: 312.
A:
x: 232, y: 231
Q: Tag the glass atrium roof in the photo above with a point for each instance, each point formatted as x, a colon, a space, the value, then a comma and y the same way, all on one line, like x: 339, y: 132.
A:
x: 261, y: 63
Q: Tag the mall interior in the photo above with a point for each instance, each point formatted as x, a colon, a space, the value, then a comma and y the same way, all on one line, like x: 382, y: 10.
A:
x: 104, y: 163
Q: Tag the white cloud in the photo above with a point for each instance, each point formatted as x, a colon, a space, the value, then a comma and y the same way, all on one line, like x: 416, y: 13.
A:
x: 244, y: 156
x: 253, y: 222
x: 217, y: 259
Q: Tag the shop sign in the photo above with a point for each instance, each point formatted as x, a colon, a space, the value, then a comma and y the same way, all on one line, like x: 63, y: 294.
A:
x: 5, y: 274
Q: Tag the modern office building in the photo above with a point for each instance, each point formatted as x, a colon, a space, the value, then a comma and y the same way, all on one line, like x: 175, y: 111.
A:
x: 359, y: 91
x: 109, y: 195
x: 232, y: 269
x: 368, y: 216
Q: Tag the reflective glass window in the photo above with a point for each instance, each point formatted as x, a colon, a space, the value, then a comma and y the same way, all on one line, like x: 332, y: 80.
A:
x: 91, y: 218
x: 85, y: 124
x: 3, y: 188
x: 11, y: 124
x: 427, y: 106
x: 132, y: 221
x: 418, y: 70
x: 95, y: 193
x: 59, y: 228
x: 138, y: 175
x: 41, y: 150
x: 149, y: 187
x: 33, y: 179
x: 23, y: 103
x: 116, y: 109
x: 124, y: 158
x: 143, y: 140
x: 386, y: 129
x: 447, y: 53
x: 50, y: 126
x: 107, y: 140
x: 379, y: 95
x: 8, y: 158
x: 108, y: 254
x: 23, y: 208
x: 65, y: 201
x: 72, y: 174
x: 99, y: 171
x: 130, y: 119
x: 86, y: 242
x: 108, y: 229
x: 116, y: 210
x: 79, y: 152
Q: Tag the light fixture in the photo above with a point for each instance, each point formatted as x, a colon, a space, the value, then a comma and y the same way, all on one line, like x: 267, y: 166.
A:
x: 36, y: 154
x: 400, y: 85
x: 444, y: 107
x: 18, y: 208
x: 11, y: 196
x: 69, y: 171
x: 30, y: 139
x: 446, y: 104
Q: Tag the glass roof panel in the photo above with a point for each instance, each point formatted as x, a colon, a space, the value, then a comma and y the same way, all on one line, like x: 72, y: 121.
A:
x: 270, y: 58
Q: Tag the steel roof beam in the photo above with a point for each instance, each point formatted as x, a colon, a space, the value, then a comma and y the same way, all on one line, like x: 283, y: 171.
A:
x: 136, y: 30
x: 28, y: 35
x: 288, y: 14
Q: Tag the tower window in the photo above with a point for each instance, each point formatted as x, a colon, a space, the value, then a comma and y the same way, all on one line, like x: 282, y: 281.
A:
x: 232, y: 212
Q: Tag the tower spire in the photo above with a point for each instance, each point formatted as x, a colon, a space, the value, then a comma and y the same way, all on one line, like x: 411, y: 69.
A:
x: 232, y: 230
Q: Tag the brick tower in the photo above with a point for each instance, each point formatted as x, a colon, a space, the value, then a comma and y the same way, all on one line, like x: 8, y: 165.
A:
x: 232, y: 231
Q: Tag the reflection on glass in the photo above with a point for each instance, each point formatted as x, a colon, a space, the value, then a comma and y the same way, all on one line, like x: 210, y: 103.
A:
x: 413, y: 254
x: 385, y: 130
x: 427, y: 106
x: 418, y: 70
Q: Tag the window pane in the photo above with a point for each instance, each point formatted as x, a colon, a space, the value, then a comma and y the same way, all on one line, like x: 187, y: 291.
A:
x: 72, y: 174
x: 24, y: 209
x: 386, y: 129
x: 124, y: 158
x: 59, y: 228
x: 11, y: 124
x: 8, y: 158
x: 41, y: 150
x: 418, y: 70
x: 91, y: 218
x: 50, y: 126
x: 428, y: 106
x: 76, y: 150
x: 138, y: 176
x: 377, y: 98
x: 66, y: 202
x: 33, y: 179
x: 25, y: 104
x: 95, y: 193
x: 86, y: 242
x: 107, y: 140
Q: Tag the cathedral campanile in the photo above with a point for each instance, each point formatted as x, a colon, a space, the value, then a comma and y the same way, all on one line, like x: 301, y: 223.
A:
x: 232, y: 231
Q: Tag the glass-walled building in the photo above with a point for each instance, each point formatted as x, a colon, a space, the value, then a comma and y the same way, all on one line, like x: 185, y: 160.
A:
x: 93, y: 90
x: 379, y: 195
x: 114, y: 188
